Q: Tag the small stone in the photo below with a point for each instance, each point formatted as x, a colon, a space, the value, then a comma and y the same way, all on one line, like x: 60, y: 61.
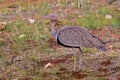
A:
x: 49, y: 65
x: 110, y: 47
x: 22, y: 35
x: 108, y: 16
x: 32, y: 21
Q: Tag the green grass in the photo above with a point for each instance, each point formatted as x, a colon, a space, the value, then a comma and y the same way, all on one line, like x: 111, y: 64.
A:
x: 2, y: 1
x: 94, y: 21
x: 116, y: 22
x: 104, y: 10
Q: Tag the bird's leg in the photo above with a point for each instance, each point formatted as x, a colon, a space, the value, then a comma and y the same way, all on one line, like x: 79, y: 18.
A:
x: 75, y: 61
x: 80, y: 59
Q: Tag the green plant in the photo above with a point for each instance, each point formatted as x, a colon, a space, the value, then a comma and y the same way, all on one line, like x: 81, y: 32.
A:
x: 104, y: 10
x: 33, y: 58
x: 94, y: 21
x: 1, y: 41
x: 90, y: 21
x: 44, y: 8
x: 116, y: 22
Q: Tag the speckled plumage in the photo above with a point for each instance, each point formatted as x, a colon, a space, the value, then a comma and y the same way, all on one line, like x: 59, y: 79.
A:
x: 76, y: 36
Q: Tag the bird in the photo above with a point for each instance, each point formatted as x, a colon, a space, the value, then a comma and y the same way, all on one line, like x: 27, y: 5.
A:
x: 75, y: 37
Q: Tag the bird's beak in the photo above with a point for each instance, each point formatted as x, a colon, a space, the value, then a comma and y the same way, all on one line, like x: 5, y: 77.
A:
x: 47, y: 17
x: 52, y: 17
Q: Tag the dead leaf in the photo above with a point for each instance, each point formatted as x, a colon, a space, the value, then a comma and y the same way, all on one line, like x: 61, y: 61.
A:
x: 106, y: 63
x: 2, y: 25
x: 118, y: 8
x: 78, y: 75
x: 80, y: 16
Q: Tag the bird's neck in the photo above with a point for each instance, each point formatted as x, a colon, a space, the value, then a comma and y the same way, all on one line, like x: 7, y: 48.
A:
x: 53, y: 31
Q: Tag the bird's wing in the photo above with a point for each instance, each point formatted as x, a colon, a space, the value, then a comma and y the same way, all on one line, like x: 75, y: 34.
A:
x: 77, y: 37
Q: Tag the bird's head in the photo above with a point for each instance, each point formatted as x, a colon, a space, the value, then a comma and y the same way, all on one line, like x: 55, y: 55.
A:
x: 52, y: 17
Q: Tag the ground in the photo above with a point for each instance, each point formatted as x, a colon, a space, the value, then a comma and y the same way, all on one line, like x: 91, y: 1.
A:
x: 26, y: 47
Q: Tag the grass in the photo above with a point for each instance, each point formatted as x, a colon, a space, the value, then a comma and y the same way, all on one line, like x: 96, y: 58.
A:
x: 2, y: 1
x: 116, y: 22
x: 104, y: 10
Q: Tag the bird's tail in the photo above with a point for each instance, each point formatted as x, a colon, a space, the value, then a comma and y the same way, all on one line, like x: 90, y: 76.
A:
x: 102, y: 48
